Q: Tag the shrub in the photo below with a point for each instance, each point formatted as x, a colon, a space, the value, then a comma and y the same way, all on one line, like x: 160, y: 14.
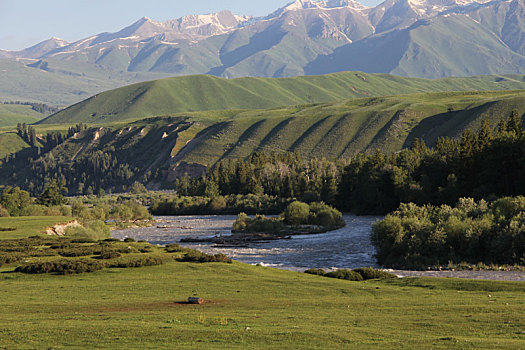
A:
x: 324, y: 215
x: 65, y: 211
x: 260, y: 224
x: 174, y: 248
x: 109, y: 254
x: 297, y: 213
x: 129, y: 210
x: 94, y: 230
x: 217, y: 205
x: 196, y: 256
x: 82, y: 240
x: 138, y: 188
x: 369, y: 273
x: 137, y: 261
x: 79, y: 251
x: 9, y: 258
x: 345, y: 275
x: 129, y: 240
x: 3, y: 212
x: 314, y: 271
x: 33, y: 210
x: 240, y: 224
x: 53, y: 211
x: 146, y: 249
x: 63, y: 267
x: 99, y: 227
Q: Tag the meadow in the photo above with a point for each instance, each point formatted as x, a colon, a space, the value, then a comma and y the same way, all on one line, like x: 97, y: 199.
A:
x: 254, y: 307
x: 26, y: 226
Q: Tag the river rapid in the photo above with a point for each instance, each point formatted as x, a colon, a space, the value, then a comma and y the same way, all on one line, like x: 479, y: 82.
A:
x: 348, y: 247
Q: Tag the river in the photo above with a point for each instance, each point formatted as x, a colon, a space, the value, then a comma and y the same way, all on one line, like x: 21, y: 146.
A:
x: 348, y: 247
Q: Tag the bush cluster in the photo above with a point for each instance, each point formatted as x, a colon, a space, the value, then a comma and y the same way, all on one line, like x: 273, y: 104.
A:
x: 260, y: 223
x: 102, y: 210
x: 471, y: 232
x: 9, y: 258
x: 107, y: 254
x: 72, y: 252
x: 315, y: 271
x: 219, y: 205
x: 196, y: 256
x: 360, y: 274
x: 3, y: 212
x: 296, y: 214
x: 93, y: 230
x: 137, y: 261
x: 345, y: 274
x: 175, y: 248
x: 320, y: 214
x: 42, y: 210
x: 62, y: 267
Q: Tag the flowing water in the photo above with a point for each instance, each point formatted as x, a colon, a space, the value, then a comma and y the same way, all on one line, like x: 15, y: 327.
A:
x: 348, y: 247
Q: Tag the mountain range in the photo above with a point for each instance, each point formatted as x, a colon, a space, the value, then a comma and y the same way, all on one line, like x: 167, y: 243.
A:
x: 415, y: 38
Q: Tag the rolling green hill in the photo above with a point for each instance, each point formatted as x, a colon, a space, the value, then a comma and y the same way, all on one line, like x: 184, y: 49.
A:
x: 11, y: 143
x: 158, y: 150
x: 13, y: 114
x: 204, y: 93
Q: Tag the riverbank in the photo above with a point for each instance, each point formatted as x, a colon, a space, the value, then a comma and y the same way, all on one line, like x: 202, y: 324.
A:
x: 517, y: 276
x: 348, y: 247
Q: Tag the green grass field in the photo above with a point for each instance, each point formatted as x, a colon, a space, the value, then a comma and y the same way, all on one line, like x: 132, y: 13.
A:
x: 255, y: 307
x: 13, y: 114
x: 251, y: 307
x: 27, y: 226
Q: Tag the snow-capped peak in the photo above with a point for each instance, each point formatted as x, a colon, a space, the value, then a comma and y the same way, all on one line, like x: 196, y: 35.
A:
x: 322, y: 4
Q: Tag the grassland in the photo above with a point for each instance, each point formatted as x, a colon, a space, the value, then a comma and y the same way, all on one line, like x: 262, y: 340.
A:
x: 204, y: 93
x: 253, y: 307
x: 13, y: 114
x: 11, y: 143
x: 27, y: 226
x: 59, y: 83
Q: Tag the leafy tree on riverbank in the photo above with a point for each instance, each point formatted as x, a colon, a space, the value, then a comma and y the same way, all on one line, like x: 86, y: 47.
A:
x: 472, y: 232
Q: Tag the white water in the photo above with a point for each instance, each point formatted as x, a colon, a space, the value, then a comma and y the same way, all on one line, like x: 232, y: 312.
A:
x: 348, y: 247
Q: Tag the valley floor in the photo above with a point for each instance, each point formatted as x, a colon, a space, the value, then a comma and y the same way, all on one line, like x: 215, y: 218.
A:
x: 251, y: 307
x: 255, y: 307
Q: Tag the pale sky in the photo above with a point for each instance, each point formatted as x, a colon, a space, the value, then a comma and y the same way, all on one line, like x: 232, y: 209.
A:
x: 24, y: 23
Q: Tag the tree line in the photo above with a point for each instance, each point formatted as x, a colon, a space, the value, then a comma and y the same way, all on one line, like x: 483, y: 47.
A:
x: 488, y: 163
x: 35, y: 106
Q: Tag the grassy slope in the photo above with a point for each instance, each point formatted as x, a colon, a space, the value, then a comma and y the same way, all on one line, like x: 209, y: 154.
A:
x: 61, y: 84
x: 201, y: 93
x: 10, y: 143
x: 255, y: 307
x: 333, y: 130
x: 339, y: 130
x: 28, y: 226
x: 13, y: 114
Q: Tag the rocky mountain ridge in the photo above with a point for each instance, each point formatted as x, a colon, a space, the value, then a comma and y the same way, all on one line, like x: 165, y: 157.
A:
x: 414, y: 38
